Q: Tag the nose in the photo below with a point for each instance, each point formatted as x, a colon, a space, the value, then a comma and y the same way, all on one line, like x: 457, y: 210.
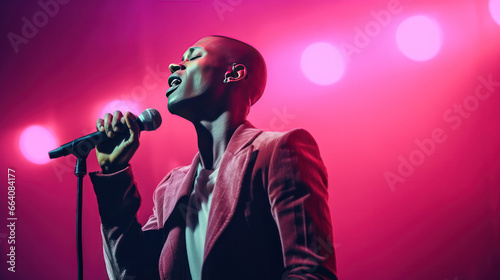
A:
x: 176, y: 67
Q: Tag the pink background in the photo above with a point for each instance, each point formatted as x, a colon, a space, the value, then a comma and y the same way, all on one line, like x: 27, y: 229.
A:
x: 440, y: 221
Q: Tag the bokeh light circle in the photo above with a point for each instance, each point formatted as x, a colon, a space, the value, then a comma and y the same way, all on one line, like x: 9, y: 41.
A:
x: 121, y: 105
x: 35, y: 142
x: 322, y: 63
x: 495, y: 10
x: 419, y: 38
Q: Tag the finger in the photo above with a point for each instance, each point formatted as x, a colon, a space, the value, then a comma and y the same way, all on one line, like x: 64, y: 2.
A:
x: 99, y: 124
x: 107, y: 125
x: 116, y: 123
x: 132, y: 125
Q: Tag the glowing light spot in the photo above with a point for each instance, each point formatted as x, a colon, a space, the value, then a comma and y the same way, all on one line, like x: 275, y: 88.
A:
x: 419, y: 38
x: 322, y: 63
x: 495, y: 10
x: 35, y: 143
x: 120, y: 105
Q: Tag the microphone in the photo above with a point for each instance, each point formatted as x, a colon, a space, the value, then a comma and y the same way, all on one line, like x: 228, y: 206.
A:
x: 148, y: 120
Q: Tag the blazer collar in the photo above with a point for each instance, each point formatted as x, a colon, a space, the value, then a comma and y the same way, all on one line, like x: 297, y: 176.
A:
x: 242, y: 137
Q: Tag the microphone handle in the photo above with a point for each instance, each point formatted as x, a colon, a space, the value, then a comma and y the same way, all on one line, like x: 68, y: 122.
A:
x: 84, y: 144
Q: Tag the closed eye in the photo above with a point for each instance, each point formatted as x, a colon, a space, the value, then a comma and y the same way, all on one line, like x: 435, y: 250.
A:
x: 194, y: 57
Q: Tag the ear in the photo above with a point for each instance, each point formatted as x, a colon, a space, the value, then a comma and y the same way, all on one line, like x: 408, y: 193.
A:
x: 238, y: 72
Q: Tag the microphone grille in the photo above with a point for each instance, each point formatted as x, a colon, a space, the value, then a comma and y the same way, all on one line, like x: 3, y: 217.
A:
x: 151, y: 119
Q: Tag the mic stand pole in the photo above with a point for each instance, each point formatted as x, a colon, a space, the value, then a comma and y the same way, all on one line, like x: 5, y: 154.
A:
x: 80, y: 172
x: 81, y: 150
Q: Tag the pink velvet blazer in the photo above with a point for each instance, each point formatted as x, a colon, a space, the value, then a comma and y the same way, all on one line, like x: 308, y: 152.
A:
x: 269, y: 217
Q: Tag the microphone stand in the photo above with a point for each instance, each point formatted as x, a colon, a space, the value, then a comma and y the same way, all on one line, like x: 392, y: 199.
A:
x: 80, y: 149
x: 148, y: 120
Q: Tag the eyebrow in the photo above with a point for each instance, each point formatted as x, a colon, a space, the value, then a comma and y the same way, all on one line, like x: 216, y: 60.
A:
x: 190, y: 51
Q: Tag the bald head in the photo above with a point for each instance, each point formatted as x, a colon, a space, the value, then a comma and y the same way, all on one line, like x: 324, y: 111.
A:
x: 238, y: 52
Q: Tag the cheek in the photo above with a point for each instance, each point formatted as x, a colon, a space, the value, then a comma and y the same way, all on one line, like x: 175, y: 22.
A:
x: 205, y: 78
x: 198, y: 81
x: 193, y: 83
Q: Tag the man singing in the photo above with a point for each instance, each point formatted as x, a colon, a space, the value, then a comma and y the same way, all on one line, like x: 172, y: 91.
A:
x: 252, y: 204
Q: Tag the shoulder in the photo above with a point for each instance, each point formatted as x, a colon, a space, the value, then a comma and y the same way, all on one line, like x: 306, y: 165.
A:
x: 247, y: 134
x: 294, y: 150
x: 291, y: 139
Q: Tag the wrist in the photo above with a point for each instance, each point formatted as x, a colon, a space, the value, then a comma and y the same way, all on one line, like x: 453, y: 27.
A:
x: 107, y: 169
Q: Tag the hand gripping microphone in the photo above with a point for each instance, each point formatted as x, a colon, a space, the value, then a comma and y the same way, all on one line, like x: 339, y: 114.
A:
x: 148, y: 120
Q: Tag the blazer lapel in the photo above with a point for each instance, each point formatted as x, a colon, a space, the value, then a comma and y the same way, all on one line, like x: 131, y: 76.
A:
x: 173, y: 194
x: 173, y: 259
x: 229, y: 182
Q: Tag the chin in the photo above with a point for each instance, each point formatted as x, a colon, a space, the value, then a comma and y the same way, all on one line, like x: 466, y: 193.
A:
x: 186, y: 109
x: 202, y: 105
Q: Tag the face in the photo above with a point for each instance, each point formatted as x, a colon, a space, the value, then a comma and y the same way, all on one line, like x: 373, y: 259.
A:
x: 196, y: 83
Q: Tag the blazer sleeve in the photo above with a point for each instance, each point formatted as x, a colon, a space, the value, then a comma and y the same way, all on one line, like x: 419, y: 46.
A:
x: 298, y: 197
x: 129, y: 252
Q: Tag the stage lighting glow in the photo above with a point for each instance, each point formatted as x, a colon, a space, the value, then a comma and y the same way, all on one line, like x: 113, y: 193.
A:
x: 322, y: 63
x: 419, y: 38
x: 495, y: 10
x: 121, y: 105
x: 35, y: 143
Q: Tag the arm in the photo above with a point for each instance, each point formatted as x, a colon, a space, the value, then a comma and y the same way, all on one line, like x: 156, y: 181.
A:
x: 299, y: 203
x: 129, y: 252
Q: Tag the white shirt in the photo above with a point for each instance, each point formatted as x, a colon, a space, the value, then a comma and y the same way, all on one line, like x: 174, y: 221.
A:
x: 197, y: 218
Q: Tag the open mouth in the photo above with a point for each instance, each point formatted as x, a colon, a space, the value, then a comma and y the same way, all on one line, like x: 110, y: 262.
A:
x: 173, y: 83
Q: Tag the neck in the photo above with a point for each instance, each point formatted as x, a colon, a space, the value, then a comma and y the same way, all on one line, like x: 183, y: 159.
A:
x: 213, y: 137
